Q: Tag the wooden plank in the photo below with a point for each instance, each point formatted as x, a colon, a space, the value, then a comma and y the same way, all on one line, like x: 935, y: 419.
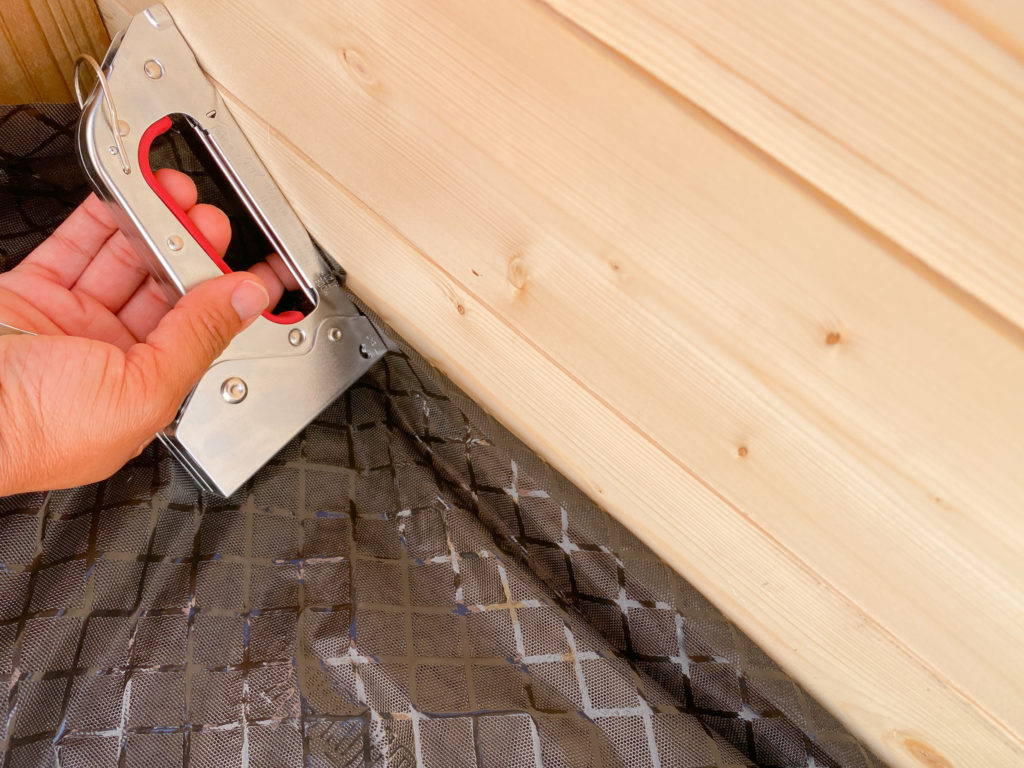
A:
x: 806, y: 423
x: 1000, y: 20
x: 117, y: 13
x: 39, y: 40
x: 891, y: 107
x: 821, y: 634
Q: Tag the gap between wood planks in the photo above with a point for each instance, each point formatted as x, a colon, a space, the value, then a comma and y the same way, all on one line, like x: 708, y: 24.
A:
x: 958, y: 220
x: 922, y: 267
x: 39, y: 40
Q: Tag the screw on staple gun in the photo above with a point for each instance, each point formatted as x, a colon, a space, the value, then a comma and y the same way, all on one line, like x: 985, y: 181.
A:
x: 283, y: 370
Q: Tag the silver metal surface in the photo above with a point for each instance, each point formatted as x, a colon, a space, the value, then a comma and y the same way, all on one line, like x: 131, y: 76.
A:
x: 10, y: 330
x: 222, y: 442
x: 234, y: 390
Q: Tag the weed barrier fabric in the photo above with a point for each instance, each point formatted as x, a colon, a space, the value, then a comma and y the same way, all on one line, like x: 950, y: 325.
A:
x: 404, y: 584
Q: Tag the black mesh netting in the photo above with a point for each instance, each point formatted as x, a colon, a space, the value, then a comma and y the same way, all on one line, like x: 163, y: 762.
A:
x: 404, y: 584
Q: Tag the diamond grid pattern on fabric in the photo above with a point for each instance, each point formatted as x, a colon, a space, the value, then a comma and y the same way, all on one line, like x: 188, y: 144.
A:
x: 405, y: 584
x: 40, y: 184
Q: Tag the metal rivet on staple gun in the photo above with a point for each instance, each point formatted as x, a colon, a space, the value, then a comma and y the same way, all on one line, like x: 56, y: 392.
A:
x: 334, y: 334
x: 154, y: 69
x: 296, y: 336
x: 234, y: 390
x: 175, y: 243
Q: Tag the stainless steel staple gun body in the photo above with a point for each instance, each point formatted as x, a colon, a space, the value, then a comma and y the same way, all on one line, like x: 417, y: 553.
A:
x: 282, y: 371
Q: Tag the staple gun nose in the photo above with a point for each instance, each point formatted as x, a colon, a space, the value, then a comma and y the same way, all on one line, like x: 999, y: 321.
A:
x: 284, y: 369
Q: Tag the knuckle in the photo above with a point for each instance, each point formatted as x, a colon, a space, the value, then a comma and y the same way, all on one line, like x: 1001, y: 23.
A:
x: 150, y: 392
x: 164, y: 413
x: 155, y: 413
x: 209, y: 333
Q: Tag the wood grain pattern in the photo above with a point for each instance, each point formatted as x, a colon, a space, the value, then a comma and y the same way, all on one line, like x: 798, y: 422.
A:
x: 887, y: 694
x: 39, y: 41
x: 911, y: 123
x: 744, y: 355
x: 1000, y: 20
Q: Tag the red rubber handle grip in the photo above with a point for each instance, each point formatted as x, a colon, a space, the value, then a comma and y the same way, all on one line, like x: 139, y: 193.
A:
x: 159, y: 128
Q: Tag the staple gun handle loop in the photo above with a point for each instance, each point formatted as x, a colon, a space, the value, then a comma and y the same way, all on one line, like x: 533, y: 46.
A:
x: 108, y: 102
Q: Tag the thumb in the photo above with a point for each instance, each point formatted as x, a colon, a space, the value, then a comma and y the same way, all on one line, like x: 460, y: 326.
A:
x: 190, y: 337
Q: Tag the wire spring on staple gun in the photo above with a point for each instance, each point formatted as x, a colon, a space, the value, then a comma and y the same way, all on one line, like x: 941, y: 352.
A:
x: 108, y: 101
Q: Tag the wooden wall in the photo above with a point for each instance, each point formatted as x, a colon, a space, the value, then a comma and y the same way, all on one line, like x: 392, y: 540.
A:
x: 748, y: 272
x: 39, y: 41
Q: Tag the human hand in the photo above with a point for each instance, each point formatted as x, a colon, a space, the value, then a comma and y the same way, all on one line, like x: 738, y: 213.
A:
x: 113, y: 359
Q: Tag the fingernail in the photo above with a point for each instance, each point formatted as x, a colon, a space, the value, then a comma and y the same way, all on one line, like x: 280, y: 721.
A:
x: 249, y: 299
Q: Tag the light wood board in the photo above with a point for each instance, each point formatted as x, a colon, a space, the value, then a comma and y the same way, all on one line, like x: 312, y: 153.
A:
x: 749, y: 273
x: 39, y: 41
